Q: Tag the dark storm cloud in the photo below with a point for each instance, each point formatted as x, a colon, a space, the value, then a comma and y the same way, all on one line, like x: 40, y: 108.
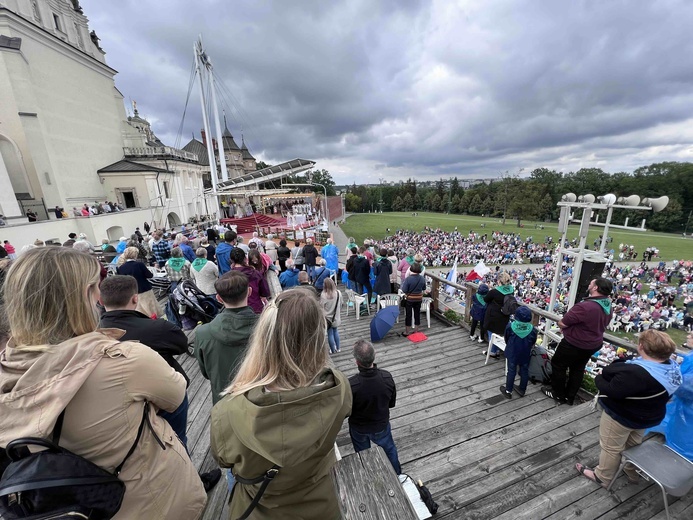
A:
x: 399, y: 88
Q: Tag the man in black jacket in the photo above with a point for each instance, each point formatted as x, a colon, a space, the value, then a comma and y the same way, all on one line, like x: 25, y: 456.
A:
x: 374, y: 393
x: 119, y: 297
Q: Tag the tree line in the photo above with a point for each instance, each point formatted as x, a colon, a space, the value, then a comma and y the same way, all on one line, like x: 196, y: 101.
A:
x: 535, y: 197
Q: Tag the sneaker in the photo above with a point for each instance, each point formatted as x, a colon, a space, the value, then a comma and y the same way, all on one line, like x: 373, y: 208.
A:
x: 210, y: 479
x: 521, y: 393
x: 480, y: 340
x: 494, y: 356
x: 339, y: 350
x: 472, y: 337
x: 506, y: 394
x: 548, y: 392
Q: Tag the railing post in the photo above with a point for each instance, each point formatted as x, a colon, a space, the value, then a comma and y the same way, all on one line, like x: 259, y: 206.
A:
x: 435, y: 287
x: 470, y: 292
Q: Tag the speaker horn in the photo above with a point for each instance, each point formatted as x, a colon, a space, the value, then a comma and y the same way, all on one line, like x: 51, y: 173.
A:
x: 569, y: 197
x: 589, y: 198
x: 608, y: 199
x: 657, y: 204
x: 633, y: 200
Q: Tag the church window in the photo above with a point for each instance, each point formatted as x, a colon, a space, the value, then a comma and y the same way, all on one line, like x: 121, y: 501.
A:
x: 37, y: 13
x: 166, y: 190
x: 56, y: 21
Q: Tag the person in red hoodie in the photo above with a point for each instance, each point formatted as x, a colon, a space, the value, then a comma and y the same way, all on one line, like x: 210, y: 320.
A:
x: 11, y: 251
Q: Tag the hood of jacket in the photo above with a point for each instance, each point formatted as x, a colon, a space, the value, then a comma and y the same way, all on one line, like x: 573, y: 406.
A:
x: 287, y: 428
x: 40, y: 384
x: 226, y: 326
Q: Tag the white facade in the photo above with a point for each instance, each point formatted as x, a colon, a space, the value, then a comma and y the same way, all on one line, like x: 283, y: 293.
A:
x: 63, y: 120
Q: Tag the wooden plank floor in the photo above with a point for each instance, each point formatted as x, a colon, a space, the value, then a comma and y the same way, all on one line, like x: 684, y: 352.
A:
x: 482, y: 456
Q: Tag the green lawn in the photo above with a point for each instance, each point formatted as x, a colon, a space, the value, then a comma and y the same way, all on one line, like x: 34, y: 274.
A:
x: 374, y: 225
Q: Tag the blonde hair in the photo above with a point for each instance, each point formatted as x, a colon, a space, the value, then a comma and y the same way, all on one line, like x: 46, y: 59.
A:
x: 329, y: 289
x: 656, y: 344
x: 49, y: 296
x: 288, y: 348
x: 504, y: 278
x: 130, y: 253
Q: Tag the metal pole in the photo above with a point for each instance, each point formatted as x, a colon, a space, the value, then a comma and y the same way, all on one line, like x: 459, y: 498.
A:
x: 217, y: 125
x: 602, y: 247
x: 197, y: 50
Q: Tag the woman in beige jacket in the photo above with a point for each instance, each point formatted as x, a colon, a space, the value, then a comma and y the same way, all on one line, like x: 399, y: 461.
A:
x: 56, y: 360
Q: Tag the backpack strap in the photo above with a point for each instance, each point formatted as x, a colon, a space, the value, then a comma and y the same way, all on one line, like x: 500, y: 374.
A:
x: 58, y: 428
x: 265, y: 479
x: 145, y: 419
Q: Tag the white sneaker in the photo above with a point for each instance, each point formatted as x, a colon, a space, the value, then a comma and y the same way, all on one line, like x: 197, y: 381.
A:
x: 480, y: 340
x: 472, y: 337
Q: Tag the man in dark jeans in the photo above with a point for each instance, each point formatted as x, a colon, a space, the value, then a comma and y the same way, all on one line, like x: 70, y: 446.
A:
x: 374, y: 394
x: 119, y: 297
x: 583, y: 329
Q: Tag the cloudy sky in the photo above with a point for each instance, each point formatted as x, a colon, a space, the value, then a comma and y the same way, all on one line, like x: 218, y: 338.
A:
x: 399, y: 88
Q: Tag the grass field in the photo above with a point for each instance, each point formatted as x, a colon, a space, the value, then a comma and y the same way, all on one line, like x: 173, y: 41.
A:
x: 374, y: 225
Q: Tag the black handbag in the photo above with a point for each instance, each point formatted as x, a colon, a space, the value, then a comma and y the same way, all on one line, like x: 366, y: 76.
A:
x: 58, y: 484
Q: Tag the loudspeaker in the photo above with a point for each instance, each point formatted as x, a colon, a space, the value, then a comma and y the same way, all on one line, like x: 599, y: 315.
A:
x: 590, y: 270
x: 608, y: 199
x: 657, y: 204
x: 633, y: 200
x: 589, y: 198
x: 569, y: 197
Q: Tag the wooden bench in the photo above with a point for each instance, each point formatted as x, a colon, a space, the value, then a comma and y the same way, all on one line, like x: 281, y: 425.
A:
x: 368, y: 488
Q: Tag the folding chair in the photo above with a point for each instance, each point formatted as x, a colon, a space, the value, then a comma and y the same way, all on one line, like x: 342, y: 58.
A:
x: 499, y: 342
x: 672, y: 472
x: 356, y: 301
x: 426, y: 307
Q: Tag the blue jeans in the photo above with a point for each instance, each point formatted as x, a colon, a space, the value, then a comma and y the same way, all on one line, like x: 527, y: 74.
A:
x: 524, y: 376
x: 178, y: 419
x: 230, y: 480
x: 333, y: 339
x: 310, y: 269
x: 362, y: 441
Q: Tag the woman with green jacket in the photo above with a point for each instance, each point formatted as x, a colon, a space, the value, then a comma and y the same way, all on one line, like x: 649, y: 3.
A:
x: 281, y: 416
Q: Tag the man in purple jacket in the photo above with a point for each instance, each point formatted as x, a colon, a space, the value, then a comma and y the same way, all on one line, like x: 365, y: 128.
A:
x: 583, y: 329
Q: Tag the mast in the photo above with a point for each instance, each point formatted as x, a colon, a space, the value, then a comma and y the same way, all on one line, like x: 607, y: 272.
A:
x: 215, y: 109
x: 200, y: 58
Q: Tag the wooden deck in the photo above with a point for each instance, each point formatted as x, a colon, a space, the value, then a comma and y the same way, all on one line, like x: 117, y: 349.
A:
x: 482, y: 456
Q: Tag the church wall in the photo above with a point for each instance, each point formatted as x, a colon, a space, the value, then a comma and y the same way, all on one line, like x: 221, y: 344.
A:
x: 78, y: 113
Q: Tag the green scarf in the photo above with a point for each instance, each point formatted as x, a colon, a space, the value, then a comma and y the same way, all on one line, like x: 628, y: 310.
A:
x: 352, y: 244
x: 199, y: 263
x: 605, y: 304
x: 410, y: 260
x: 480, y: 299
x: 506, y: 289
x: 176, y: 263
x: 521, y: 328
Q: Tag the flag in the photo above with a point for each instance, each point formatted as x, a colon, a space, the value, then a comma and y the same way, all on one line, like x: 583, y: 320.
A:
x: 452, y: 277
x: 478, y: 272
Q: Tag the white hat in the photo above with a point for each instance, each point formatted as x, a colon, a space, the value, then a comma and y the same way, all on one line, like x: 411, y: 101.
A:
x: 122, y: 238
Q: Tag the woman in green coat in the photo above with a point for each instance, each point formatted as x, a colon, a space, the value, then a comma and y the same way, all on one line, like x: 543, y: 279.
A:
x: 281, y: 416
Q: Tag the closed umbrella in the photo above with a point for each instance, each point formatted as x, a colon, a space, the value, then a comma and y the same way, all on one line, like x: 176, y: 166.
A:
x: 383, y: 321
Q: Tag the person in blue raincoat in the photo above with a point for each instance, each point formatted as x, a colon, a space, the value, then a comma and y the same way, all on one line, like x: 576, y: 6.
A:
x: 520, y: 337
x: 477, y: 312
x: 331, y: 255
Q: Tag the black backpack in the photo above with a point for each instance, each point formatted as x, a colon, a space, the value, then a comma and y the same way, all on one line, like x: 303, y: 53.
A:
x: 510, y: 305
x: 57, y: 484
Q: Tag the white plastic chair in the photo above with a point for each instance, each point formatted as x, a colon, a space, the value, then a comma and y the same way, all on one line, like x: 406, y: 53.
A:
x: 499, y: 342
x: 356, y: 300
x: 426, y: 307
x: 389, y: 300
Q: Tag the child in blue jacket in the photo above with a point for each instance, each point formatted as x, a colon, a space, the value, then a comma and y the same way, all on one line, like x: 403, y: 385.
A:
x: 520, y: 337
x: 477, y: 313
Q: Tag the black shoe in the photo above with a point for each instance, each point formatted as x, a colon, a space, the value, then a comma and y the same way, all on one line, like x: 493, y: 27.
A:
x: 494, y: 356
x: 519, y: 392
x: 210, y: 479
x: 548, y: 392
x: 506, y: 394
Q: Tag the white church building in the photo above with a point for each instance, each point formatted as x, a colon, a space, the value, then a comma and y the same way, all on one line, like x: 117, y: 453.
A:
x: 66, y: 141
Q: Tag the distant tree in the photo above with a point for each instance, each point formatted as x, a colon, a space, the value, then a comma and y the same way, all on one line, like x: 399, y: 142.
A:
x: 322, y: 177
x: 475, y: 205
x: 397, y: 204
x: 669, y: 219
x: 454, y: 187
x: 545, y: 206
x: 436, y: 203
x: 417, y: 202
x: 408, y: 202
x: 487, y: 206
x: 455, y: 206
x: 352, y: 202
x: 260, y: 165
